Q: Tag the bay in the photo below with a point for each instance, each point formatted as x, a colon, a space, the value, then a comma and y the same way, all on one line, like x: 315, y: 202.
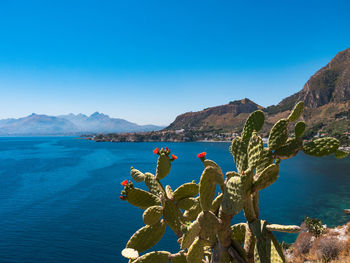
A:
x: 59, y: 196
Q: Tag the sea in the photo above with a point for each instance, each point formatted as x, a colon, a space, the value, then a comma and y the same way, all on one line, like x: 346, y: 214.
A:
x: 59, y: 196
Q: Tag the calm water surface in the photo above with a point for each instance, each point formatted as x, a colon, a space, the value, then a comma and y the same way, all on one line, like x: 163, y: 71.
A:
x: 59, y: 197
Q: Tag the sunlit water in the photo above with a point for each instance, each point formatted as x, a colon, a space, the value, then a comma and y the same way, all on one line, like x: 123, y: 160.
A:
x: 59, y: 197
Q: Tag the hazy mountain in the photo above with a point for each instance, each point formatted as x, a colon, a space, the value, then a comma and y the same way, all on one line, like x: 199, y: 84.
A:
x: 102, y: 123
x: 36, y: 124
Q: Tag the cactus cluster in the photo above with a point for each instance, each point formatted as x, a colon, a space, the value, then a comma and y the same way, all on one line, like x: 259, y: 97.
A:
x: 201, y: 218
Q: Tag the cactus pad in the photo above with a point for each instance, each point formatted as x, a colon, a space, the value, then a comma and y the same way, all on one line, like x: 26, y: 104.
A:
x: 207, y: 187
x: 290, y: 149
x: 152, y: 215
x: 186, y: 190
x: 299, y: 129
x: 340, y: 154
x: 321, y: 147
x: 296, y: 112
x: 215, y: 205
x: 281, y: 228
x: 238, y: 232
x: 130, y: 253
x: 153, y: 185
x: 208, y: 223
x: 155, y: 256
x: 146, y: 237
x: 187, y: 203
x: 179, y: 258
x: 196, y: 251
x: 163, y: 166
x: 266, y: 177
x: 278, y: 135
x: 232, y: 202
x: 191, y: 234
x: 255, y: 149
x: 173, y: 216
x: 238, y: 150
x: 142, y: 199
x: 267, y: 249
x: 137, y: 175
x: 266, y: 159
x: 255, y: 122
x: 192, y: 213
x: 169, y: 192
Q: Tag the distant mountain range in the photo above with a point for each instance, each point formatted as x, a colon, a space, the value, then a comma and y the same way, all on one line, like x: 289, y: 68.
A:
x: 70, y: 124
x: 326, y: 96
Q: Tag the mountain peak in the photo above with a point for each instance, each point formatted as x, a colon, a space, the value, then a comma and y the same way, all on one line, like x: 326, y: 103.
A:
x: 329, y: 84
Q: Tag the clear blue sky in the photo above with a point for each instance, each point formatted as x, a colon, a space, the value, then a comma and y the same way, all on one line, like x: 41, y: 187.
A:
x: 148, y: 61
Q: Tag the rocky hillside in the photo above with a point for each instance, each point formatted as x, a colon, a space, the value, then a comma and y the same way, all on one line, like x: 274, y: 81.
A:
x: 222, y: 117
x: 326, y: 95
x: 331, y: 84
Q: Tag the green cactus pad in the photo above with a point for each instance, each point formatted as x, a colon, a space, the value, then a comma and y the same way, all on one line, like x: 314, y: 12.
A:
x: 215, y: 205
x: 238, y: 232
x: 152, y: 215
x: 191, y: 234
x: 278, y: 135
x: 169, y: 192
x: 232, y: 202
x: 186, y: 190
x: 173, y: 216
x: 163, y: 166
x: 209, y: 224
x: 340, y: 154
x: 155, y: 256
x: 137, y: 175
x: 296, y: 112
x: 146, y: 237
x: 192, y: 213
x: 255, y: 122
x: 266, y: 159
x: 130, y: 253
x: 267, y: 249
x: 178, y: 258
x: 238, y: 150
x: 281, y: 228
x: 187, y: 203
x: 207, y: 187
x: 220, y: 176
x: 153, y: 185
x: 196, y: 251
x: 299, y: 129
x: 290, y: 149
x: 266, y: 177
x: 255, y: 149
x: 321, y: 147
x: 142, y: 199
x: 231, y: 174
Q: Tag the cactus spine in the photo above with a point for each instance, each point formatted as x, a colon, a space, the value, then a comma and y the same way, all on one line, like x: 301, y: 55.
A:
x: 201, y: 218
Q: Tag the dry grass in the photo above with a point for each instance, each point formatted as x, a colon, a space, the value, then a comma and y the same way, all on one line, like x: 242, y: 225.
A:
x: 333, y: 246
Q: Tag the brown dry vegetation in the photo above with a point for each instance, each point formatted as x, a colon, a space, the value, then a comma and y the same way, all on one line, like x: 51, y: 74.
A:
x: 331, y: 247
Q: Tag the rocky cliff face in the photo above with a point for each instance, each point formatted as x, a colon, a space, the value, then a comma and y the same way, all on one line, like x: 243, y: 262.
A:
x: 330, y: 84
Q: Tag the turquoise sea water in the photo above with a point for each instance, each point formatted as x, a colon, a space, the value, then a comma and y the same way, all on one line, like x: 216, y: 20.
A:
x: 59, y: 196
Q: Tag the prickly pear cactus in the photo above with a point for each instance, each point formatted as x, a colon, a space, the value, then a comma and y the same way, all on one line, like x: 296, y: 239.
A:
x: 201, y: 217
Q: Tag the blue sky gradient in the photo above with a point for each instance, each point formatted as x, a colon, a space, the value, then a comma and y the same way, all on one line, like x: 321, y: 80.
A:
x: 148, y: 61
